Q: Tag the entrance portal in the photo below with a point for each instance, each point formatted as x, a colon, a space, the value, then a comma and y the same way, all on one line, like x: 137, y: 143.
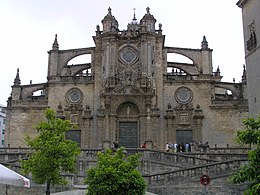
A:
x: 128, y: 134
x: 184, y: 136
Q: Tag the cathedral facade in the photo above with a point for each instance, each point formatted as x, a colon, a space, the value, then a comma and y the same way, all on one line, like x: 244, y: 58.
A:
x: 131, y: 93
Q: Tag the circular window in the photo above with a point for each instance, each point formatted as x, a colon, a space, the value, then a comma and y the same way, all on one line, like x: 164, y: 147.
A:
x: 183, y: 95
x: 74, y: 95
x: 128, y: 55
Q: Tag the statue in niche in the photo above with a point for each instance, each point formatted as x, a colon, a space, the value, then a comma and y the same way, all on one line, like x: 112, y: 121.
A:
x: 148, y: 111
x: 73, y: 118
x: 128, y: 110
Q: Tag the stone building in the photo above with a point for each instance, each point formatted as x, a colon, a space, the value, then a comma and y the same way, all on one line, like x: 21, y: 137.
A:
x: 251, y: 27
x: 131, y: 93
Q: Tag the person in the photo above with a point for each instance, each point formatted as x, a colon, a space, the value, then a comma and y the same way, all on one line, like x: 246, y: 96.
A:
x: 178, y: 147
x: 143, y: 145
x: 175, y: 148
x: 187, y: 146
x: 181, y: 147
x: 167, y: 148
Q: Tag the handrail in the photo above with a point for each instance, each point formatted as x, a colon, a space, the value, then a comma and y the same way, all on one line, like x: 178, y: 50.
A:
x: 213, y: 170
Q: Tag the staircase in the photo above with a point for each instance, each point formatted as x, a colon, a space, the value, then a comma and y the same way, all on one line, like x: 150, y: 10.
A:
x: 165, y: 172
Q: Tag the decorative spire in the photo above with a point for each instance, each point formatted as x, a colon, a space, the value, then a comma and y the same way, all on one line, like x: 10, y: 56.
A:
x: 17, y: 80
x: 217, y: 73
x: 134, y: 15
x: 244, y: 79
x: 149, y: 21
x: 108, y: 16
x: 55, y: 45
x: 109, y: 22
x: 134, y: 19
x: 204, y: 43
x: 218, y: 70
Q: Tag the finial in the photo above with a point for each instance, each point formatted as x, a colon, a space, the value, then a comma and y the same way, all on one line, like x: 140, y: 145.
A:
x: 218, y: 70
x: 17, y: 80
x: 204, y: 43
x: 148, y: 10
x: 244, y: 78
x: 55, y: 45
x: 109, y: 11
x: 98, y: 32
x: 217, y: 73
x: 160, y: 29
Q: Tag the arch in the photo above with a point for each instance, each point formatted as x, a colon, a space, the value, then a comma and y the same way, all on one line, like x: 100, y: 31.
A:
x: 127, y: 131
x: 73, y: 70
x: 225, y: 93
x: 180, y: 58
x: 127, y: 108
x: 80, y: 59
x: 37, y: 93
x: 193, y: 54
x: 30, y: 90
x: 234, y: 88
x: 83, y: 72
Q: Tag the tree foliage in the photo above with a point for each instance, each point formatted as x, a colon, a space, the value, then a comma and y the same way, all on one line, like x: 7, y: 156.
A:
x: 251, y: 172
x: 51, y: 154
x: 115, y: 174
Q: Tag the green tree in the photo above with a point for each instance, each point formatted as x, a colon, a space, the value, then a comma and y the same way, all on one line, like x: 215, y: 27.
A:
x: 51, y: 154
x: 115, y: 174
x: 251, y: 172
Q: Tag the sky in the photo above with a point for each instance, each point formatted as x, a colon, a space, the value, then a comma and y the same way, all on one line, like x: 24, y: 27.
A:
x: 28, y: 29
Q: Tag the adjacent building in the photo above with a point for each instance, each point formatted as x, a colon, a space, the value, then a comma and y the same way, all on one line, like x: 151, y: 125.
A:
x: 251, y: 27
x: 131, y: 92
x: 2, y: 125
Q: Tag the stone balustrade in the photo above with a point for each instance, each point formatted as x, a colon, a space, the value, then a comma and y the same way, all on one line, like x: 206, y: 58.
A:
x: 175, y: 158
x: 230, y: 150
x: 36, y: 103
x: 214, y: 170
x: 78, y: 79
